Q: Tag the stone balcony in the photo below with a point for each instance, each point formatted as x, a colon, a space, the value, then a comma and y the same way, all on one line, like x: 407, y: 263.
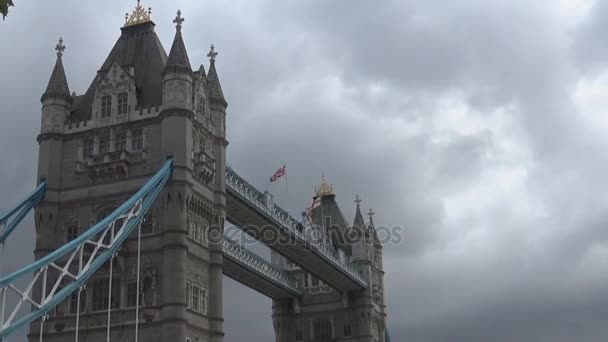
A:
x: 110, y: 165
x: 204, y: 167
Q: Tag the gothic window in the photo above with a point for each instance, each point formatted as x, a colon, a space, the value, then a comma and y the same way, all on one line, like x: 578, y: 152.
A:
x: 106, y: 106
x: 148, y: 291
x: 104, y: 144
x: 204, y: 301
x: 71, y: 232
x: 322, y: 330
x: 147, y: 223
x: 137, y: 140
x: 123, y: 103
x: 299, y: 335
x: 315, y: 281
x: 87, y: 148
x: 203, y: 233
x: 132, y: 295
x: 121, y: 142
x: 188, y: 298
x: 347, y: 330
x: 195, y: 292
x: 305, y: 279
x: 197, y: 297
x: 100, y: 294
x: 73, y: 302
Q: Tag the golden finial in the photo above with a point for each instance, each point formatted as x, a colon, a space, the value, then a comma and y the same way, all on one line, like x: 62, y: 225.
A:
x: 138, y: 16
x: 325, y: 188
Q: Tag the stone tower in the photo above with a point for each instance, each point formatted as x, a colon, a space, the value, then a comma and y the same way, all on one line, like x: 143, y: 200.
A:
x: 323, y: 314
x: 99, y: 148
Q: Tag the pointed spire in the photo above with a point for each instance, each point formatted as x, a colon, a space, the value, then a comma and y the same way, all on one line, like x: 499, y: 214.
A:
x: 58, y: 84
x: 358, y: 222
x: 372, y: 228
x: 215, y: 88
x: 178, y: 57
x: 371, y: 214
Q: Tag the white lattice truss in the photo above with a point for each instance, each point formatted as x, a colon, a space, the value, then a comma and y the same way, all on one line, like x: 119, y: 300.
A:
x: 56, y: 278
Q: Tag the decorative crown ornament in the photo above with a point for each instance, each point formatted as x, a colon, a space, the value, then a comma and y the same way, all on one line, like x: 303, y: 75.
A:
x: 325, y: 189
x: 138, y: 16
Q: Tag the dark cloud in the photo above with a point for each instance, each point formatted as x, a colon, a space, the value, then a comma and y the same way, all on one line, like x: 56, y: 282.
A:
x: 453, y: 120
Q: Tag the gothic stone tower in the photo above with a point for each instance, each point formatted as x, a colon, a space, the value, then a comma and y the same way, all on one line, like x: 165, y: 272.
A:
x: 97, y: 149
x: 324, y: 314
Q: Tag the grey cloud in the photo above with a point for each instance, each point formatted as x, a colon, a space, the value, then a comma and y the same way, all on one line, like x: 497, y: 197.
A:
x: 351, y: 89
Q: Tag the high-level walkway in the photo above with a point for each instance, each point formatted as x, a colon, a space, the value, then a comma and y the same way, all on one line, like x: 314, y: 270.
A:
x: 254, y: 213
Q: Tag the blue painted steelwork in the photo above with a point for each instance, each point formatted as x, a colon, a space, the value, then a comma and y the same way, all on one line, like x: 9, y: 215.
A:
x: 127, y: 216
x: 284, y: 220
x: 19, y: 211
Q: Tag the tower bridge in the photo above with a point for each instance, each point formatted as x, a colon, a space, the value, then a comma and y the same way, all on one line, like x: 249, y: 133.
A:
x: 133, y: 192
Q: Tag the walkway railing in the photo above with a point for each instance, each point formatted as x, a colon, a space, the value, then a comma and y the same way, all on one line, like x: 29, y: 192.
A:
x: 257, y: 199
x: 259, y: 265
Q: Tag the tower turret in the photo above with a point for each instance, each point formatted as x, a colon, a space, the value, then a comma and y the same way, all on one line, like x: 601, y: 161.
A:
x: 177, y: 111
x: 177, y: 75
x: 56, y: 100
x: 363, y: 249
x: 217, y: 101
x: 56, y: 105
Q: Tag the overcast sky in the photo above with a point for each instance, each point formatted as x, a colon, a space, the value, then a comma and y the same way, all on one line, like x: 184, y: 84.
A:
x: 478, y: 126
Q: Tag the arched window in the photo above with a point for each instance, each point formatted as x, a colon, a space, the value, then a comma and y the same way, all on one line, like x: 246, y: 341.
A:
x: 123, y: 103
x: 104, y: 144
x: 137, y: 142
x: 322, y: 330
x: 148, y: 291
x: 71, y: 231
x: 106, y: 106
x: 87, y: 148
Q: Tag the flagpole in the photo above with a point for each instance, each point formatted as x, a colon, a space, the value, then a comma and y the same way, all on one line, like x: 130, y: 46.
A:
x: 286, y: 184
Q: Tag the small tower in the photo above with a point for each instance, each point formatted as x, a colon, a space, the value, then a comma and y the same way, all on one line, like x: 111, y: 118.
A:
x: 56, y: 106
x: 178, y: 112
x: 363, y: 253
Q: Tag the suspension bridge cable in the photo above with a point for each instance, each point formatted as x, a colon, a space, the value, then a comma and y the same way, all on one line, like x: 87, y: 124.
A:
x: 110, y: 299
x: 137, y: 283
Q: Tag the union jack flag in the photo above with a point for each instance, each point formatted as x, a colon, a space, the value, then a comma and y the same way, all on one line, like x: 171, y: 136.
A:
x: 280, y: 173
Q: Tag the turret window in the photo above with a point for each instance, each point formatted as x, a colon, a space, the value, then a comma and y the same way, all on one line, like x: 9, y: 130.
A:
x: 87, y: 148
x: 104, y: 144
x: 348, y: 330
x: 138, y: 140
x: 71, y: 232
x: 106, y: 106
x: 123, y: 103
x: 121, y: 142
x: 197, y: 297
